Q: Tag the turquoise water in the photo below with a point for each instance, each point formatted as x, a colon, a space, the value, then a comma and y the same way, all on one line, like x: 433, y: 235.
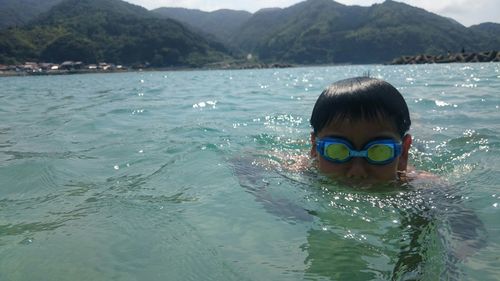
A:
x: 156, y: 176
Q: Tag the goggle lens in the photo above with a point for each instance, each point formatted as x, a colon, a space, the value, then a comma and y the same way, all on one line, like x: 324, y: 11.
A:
x: 337, y: 151
x: 380, y: 152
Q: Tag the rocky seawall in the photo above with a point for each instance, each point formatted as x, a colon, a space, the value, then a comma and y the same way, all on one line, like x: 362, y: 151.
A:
x: 491, y: 56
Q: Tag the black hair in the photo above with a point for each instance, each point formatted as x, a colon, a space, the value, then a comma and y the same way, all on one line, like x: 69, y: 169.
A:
x: 361, y: 98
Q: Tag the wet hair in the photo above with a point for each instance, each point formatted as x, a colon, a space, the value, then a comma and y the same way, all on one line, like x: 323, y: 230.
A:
x: 361, y: 98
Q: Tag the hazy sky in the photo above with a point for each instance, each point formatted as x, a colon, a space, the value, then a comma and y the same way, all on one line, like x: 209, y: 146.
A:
x: 467, y: 12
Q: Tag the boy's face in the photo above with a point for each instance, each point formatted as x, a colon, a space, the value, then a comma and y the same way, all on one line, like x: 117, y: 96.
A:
x: 359, y: 133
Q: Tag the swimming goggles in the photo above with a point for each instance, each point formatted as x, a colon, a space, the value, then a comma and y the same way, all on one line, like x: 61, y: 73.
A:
x: 377, y: 152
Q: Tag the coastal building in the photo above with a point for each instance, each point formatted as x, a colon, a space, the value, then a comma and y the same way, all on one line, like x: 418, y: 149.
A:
x: 67, y: 65
x: 71, y: 65
x: 31, y: 67
x: 45, y: 66
x: 104, y: 66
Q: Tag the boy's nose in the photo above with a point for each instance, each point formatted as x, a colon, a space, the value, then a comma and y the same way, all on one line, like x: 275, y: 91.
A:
x: 357, y: 169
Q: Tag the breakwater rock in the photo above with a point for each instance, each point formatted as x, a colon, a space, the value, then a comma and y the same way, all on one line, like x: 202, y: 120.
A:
x: 450, y: 58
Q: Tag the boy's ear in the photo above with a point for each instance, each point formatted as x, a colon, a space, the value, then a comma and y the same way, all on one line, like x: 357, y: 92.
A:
x: 403, y: 159
x: 313, y: 145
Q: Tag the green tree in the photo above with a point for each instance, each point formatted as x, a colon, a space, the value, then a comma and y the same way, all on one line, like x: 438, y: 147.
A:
x: 70, y: 47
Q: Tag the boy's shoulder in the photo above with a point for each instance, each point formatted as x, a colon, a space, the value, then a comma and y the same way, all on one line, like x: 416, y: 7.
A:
x: 413, y: 175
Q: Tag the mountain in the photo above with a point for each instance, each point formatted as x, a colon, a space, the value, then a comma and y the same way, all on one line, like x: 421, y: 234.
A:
x: 20, y: 12
x: 324, y: 31
x: 222, y: 24
x: 298, y: 33
x: 490, y: 34
x: 489, y: 28
x: 107, y: 30
x: 310, y: 32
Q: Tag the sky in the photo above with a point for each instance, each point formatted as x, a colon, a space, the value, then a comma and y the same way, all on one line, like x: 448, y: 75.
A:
x: 467, y: 12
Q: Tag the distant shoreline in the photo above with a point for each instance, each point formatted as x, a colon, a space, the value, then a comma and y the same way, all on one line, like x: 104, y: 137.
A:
x: 56, y: 73
x: 492, y: 56
x: 222, y: 66
x: 463, y: 57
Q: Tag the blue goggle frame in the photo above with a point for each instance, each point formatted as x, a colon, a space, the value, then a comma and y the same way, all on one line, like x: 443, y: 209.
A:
x: 323, y: 143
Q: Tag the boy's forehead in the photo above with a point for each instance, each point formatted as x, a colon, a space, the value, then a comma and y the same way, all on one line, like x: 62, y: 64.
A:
x: 379, y: 118
x: 362, y: 127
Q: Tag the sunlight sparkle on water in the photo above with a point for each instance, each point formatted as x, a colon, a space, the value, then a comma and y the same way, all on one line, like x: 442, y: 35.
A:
x: 442, y: 103
x: 185, y: 124
x: 204, y: 104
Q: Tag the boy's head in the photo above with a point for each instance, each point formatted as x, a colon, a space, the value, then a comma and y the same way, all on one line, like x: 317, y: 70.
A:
x: 359, y: 130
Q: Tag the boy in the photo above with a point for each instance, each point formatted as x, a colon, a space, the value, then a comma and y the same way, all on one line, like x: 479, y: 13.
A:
x: 360, y: 130
x: 360, y: 136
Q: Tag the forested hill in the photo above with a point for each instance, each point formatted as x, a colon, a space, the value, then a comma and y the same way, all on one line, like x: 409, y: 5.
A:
x: 221, y: 23
x: 488, y: 28
x: 318, y: 31
x: 107, y: 30
x: 310, y: 32
x: 324, y: 31
x: 20, y: 12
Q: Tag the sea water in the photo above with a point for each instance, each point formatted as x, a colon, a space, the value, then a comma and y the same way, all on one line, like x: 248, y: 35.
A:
x: 156, y: 176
